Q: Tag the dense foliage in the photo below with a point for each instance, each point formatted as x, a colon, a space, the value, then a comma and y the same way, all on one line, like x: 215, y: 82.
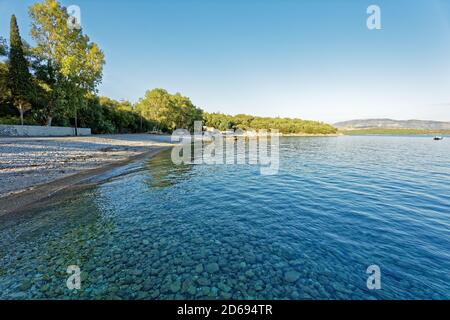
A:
x: 104, y: 115
x: 170, y: 111
x: 4, y: 91
x: 3, y: 49
x: 69, y: 65
x: 54, y: 83
x: 284, y: 125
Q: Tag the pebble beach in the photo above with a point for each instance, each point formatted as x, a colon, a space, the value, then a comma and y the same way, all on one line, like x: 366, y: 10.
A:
x: 28, y: 162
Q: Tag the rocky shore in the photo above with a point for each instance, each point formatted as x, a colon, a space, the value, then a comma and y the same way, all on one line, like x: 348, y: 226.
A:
x: 26, y: 163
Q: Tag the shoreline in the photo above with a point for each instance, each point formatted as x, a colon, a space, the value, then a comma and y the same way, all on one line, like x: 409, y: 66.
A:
x: 306, y: 135
x: 35, y: 168
x: 27, y: 162
x: 27, y: 199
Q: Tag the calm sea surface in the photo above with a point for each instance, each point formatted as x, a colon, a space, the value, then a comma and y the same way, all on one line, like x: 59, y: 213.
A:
x: 160, y: 231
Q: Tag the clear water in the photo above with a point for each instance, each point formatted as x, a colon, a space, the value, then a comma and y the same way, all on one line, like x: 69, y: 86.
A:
x: 337, y: 206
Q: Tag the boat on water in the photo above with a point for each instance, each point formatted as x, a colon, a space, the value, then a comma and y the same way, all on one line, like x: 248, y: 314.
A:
x: 437, y: 138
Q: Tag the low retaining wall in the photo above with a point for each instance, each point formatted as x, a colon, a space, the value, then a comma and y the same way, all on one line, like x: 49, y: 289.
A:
x: 37, y: 131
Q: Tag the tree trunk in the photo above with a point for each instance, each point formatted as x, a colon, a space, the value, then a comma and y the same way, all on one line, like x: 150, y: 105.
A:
x: 21, y: 114
x: 76, y: 122
x: 49, y: 121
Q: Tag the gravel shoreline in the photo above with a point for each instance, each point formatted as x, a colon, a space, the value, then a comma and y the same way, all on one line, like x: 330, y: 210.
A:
x: 29, y: 162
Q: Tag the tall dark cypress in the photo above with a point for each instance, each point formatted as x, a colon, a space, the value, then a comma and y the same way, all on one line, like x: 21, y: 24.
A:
x: 19, y: 77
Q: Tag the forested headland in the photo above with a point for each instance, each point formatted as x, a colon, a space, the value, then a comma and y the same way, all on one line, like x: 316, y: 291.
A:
x: 283, y: 125
x: 54, y: 82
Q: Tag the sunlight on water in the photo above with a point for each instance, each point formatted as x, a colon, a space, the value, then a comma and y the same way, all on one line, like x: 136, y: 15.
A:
x: 337, y: 206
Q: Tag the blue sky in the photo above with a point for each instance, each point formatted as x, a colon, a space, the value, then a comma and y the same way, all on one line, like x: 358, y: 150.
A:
x: 313, y: 59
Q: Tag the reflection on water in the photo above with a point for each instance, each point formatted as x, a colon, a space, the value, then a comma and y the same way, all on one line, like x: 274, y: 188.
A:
x: 163, y: 231
x: 163, y: 173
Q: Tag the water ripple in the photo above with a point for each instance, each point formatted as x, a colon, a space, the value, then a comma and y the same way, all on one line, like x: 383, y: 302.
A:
x: 161, y: 231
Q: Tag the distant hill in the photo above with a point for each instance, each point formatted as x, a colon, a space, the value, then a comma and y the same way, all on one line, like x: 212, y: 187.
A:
x: 392, y: 124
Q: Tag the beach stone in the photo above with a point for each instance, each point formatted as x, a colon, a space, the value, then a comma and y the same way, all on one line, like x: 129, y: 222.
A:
x: 186, y: 283
x: 199, y: 268
x: 136, y: 287
x: 147, y: 285
x: 59, y: 262
x: 212, y: 267
x: 192, y: 290
x: 175, y: 286
x: 205, y: 291
x: 154, y: 294
x: 113, y: 289
x: 138, y: 272
x: 25, y: 286
x: 259, y: 285
x: 291, y: 276
x: 251, y: 259
x: 295, y: 295
x: 145, y: 242
x: 140, y: 296
x: 224, y: 287
x: 249, y: 273
x: 18, y: 295
x: 123, y: 293
x: 154, y: 271
x: 226, y: 295
x: 203, y: 281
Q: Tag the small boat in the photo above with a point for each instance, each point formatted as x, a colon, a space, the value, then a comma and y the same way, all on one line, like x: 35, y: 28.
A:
x: 437, y: 138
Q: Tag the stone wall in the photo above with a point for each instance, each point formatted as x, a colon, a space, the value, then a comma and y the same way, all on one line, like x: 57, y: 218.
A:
x: 37, y: 131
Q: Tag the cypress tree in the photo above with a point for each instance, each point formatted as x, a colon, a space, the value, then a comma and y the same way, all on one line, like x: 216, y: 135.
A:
x: 19, y: 77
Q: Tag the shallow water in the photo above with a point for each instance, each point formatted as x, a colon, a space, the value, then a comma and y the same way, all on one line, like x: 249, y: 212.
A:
x: 337, y: 206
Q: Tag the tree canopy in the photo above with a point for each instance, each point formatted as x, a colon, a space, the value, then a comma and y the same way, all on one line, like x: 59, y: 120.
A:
x: 19, y: 77
x: 284, y: 125
x: 3, y: 48
x: 71, y: 65
x: 169, y: 111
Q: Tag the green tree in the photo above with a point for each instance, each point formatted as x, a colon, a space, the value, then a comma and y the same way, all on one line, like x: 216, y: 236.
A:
x: 170, y: 111
x: 104, y: 115
x: 186, y: 113
x: 157, y: 105
x: 19, y: 77
x: 45, y: 87
x: 4, y: 91
x: 284, y: 125
x: 3, y: 48
x: 70, y: 63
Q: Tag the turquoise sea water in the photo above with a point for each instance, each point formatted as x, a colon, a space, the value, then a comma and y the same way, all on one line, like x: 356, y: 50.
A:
x: 160, y: 231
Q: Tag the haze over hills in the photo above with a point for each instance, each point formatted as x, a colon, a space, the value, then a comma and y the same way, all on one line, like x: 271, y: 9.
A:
x: 393, y: 124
